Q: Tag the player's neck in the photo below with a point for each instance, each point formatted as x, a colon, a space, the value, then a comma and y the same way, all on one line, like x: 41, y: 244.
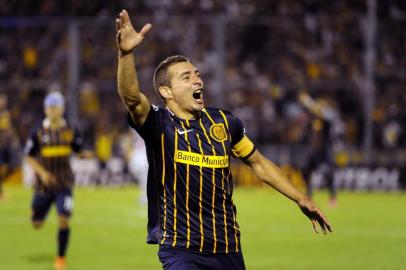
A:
x: 183, y: 114
x: 55, y: 123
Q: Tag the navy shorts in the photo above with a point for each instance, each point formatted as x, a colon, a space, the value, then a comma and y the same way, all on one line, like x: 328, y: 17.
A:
x: 41, y: 203
x: 181, y: 259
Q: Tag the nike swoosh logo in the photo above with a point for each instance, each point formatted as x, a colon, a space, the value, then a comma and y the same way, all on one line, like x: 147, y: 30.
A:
x: 181, y: 132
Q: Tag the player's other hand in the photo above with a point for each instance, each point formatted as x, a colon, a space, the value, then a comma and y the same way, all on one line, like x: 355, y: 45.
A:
x: 48, y: 179
x: 303, y: 97
x: 127, y: 38
x: 315, y: 215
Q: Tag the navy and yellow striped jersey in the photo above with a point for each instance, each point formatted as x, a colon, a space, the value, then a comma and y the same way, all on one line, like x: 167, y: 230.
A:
x: 52, y: 148
x: 190, y: 185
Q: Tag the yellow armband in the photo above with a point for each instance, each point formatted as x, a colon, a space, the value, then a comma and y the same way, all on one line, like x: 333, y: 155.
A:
x: 243, y: 148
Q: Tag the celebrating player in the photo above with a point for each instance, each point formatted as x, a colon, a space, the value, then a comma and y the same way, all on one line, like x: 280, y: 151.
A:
x: 191, y: 211
x: 326, y: 131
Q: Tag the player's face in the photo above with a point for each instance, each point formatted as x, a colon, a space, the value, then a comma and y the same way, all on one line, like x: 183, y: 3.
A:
x: 54, y: 113
x: 186, y: 86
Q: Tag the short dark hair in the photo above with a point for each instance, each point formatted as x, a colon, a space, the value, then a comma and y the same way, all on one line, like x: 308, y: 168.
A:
x: 161, y: 77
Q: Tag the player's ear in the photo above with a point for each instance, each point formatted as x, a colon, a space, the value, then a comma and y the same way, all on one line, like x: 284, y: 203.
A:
x: 166, y: 92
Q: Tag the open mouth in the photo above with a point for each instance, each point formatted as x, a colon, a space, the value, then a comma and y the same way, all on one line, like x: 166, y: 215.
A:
x: 198, y: 94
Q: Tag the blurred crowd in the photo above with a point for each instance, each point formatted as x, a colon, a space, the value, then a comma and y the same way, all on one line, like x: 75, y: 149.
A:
x: 269, y: 51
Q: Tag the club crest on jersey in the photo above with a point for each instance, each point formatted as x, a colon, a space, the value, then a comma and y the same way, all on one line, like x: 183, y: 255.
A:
x: 218, y: 132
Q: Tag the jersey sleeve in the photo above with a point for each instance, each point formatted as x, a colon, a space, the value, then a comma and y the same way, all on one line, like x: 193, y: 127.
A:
x: 32, y: 145
x: 152, y: 127
x: 241, y: 145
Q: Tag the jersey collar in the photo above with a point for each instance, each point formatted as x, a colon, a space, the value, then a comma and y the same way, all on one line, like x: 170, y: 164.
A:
x: 173, y: 116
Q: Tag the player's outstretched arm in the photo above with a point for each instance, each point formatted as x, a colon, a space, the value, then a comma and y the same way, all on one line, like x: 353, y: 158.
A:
x: 45, y: 176
x: 272, y: 175
x: 308, y: 102
x: 128, y: 88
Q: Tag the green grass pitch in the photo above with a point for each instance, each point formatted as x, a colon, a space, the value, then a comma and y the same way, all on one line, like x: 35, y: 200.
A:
x: 109, y: 229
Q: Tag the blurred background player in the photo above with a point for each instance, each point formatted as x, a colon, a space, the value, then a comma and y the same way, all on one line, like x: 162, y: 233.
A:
x: 138, y: 164
x: 132, y: 148
x: 8, y: 143
x: 325, y: 133
x: 48, y: 151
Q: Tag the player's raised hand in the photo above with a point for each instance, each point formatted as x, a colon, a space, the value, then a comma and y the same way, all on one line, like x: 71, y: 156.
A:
x: 315, y: 215
x: 127, y: 38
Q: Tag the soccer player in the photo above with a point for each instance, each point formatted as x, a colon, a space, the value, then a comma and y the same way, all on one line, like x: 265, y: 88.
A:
x: 47, y: 152
x: 138, y: 164
x: 326, y: 129
x: 191, y: 211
